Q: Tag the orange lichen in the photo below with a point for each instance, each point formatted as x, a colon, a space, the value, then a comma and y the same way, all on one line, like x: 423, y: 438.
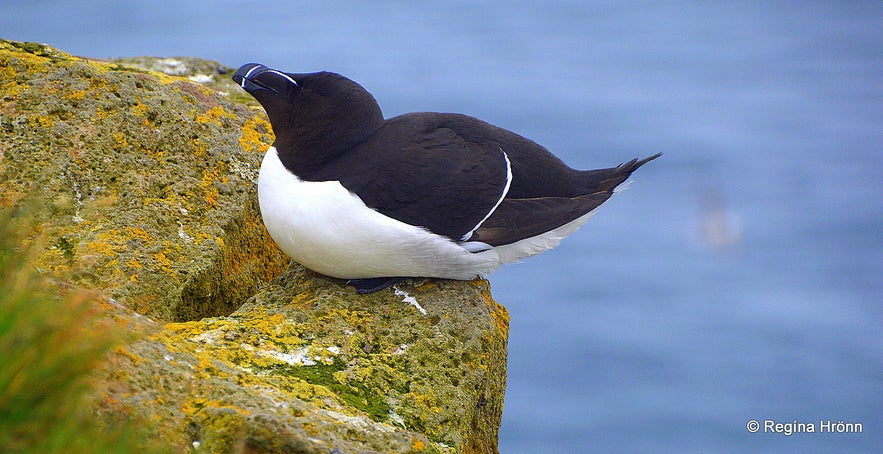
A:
x: 256, y: 135
x: 124, y: 352
x: 164, y: 263
x: 214, y: 115
x: 107, y: 243
x: 138, y: 232
x: 207, y: 184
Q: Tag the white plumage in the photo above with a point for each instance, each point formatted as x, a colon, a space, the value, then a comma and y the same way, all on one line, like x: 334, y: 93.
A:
x: 328, y: 229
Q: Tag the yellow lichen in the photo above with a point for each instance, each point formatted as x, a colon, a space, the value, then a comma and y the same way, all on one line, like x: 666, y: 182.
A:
x: 120, y: 141
x: 164, y: 263
x: 103, y: 67
x: 76, y: 95
x: 123, y: 351
x: 137, y: 232
x: 428, y: 403
x: 140, y: 109
x: 101, y: 113
x: 107, y: 243
x: 42, y: 121
x: 214, y: 115
x: 33, y: 63
x: 303, y: 301
x: 207, y: 184
x: 199, y: 147
x: 194, y: 405
x: 350, y: 317
x: 498, y: 312
x: 12, y: 89
x: 256, y: 134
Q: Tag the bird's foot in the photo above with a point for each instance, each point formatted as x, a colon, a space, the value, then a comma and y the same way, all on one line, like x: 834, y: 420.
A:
x: 373, y: 284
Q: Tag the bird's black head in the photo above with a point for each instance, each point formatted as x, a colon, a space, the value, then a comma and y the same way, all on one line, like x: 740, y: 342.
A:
x: 270, y: 87
x: 314, y: 115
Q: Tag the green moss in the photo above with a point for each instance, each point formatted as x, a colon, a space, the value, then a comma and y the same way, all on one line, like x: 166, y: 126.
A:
x: 67, y: 246
x: 358, y: 396
x: 126, y: 68
x: 242, y: 98
x: 32, y: 48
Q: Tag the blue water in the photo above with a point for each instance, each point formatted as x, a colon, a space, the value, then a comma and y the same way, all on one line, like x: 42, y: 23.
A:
x: 739, y: 278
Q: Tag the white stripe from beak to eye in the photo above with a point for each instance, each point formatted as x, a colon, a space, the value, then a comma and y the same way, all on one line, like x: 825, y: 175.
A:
x: 502, y: 196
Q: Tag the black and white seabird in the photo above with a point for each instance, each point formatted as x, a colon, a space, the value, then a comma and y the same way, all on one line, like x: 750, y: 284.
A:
x: 352, y: 195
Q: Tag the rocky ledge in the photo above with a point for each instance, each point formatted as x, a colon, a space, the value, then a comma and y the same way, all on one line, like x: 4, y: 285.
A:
x: 140, y: 177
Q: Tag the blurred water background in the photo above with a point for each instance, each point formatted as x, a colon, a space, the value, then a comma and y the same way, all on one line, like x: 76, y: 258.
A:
x: 739, y: 278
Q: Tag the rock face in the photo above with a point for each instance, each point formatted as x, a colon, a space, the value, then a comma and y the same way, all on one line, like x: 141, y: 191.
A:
x: 145, y: 182
x: 142, y: 184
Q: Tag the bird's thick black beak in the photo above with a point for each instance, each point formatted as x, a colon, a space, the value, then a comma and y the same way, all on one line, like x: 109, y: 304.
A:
x: 246, y: 76
x: 255, y: 77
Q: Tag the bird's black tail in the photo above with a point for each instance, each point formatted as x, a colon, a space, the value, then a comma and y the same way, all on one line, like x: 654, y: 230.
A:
x: 519, y: 218
x: 606, y: 180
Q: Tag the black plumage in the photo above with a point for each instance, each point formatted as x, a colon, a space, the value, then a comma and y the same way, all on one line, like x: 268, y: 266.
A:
x: 444, y: 172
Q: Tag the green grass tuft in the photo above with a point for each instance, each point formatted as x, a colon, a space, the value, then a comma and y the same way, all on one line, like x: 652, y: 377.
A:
x: 51, y: 341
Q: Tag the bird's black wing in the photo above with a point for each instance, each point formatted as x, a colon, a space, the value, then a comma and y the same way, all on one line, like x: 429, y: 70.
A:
x: 432, y: 178
x: 517, y: 219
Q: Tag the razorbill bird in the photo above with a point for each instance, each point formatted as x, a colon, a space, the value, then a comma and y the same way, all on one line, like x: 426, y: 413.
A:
x: 352, y: 195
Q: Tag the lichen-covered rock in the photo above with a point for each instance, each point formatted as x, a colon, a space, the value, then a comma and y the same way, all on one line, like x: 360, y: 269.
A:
x: 307, y: 365
x: 140, y: 174
x: 146, y: 181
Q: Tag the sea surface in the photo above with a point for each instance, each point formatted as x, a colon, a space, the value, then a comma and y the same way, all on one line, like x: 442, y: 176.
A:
x: 740, y: 277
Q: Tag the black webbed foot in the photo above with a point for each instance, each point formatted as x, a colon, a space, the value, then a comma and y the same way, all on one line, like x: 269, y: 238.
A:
x: 373, y: 284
